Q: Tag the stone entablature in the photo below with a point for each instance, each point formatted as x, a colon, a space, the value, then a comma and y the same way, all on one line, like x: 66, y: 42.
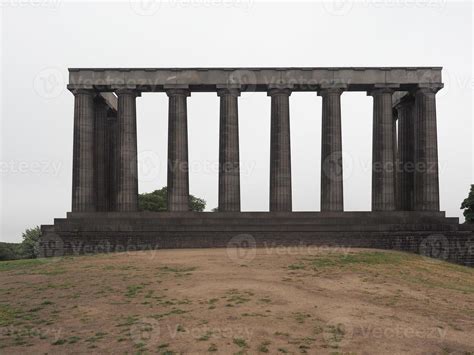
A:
x: 254, y: 79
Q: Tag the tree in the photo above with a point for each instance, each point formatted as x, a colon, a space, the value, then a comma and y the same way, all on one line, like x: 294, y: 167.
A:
x: 468, y: 206
x: 156, y: 201
x: 29, y: 245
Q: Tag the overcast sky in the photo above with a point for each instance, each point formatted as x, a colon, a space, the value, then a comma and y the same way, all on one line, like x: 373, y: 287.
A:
x: 42, y: 38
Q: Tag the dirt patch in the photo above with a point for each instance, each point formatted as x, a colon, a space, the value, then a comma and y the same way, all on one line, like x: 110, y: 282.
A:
x: 230, y: 301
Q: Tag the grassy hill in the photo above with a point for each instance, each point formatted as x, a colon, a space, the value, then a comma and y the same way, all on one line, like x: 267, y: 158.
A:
x: 268, y: 300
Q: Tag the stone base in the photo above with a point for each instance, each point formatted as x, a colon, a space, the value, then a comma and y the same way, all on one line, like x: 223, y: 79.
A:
x: 427, y: 233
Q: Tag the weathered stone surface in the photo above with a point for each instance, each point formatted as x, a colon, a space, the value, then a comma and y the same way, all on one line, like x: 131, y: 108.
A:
x: 178, y: 165
x: 383, y: 182
x: 428, y: 233
x: 280, y: 151
x: 83, y: 179
x: 253, y: 79
x: 406, y: 147
x: 101, y: 149
x: 426, y: 151
x: 127, y: 159
x: 332, y: 198
x: 229, y: 165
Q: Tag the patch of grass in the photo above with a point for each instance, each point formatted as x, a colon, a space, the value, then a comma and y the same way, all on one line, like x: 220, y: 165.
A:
x: 7, y: 315
x: 206, y: 336
x: 133, y: 290
x: 177, y: 270
x: 336, y: 333
x: 60, y: 342
x: 212, y: 348
x: 362, y: 258
x: 263, y: 347
x: 98, y: 336
x: 73, y: 340
x: 241, y: 343
x: 301, y: 317
x: 296, y: 266
x: 22, y: 264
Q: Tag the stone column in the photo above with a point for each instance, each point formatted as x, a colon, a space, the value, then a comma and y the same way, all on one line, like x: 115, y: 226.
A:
x: 229, y: 172
x: 101, y: 150
x: 280, y: 152
x: 383, y: 182
x: 112, y: 158
x: 395, y: 160
x: 178, y: 165
x: 127, y: 161
x: 426, y: 151
x: 331, y: 151
x: 83, y: 181
x: 406, y: 148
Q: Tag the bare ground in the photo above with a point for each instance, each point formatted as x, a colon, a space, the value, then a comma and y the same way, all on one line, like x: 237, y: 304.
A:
x: 226, y: 301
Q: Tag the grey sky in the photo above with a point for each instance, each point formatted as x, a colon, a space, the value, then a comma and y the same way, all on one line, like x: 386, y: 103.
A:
x: 42, y: 38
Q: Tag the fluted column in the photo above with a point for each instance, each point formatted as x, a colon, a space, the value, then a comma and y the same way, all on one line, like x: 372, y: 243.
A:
x: 178, y: 165
x: 426, y: 151
x: 83, y: 181
x: 229, y: 172
x: 396, y: 178
x: 383, y: 182
x: 406, y: 147
x: 111, y: 159
x: 127, y: 160
x: 280, y: 152
x: 101, y: 150
x: 331, y: 151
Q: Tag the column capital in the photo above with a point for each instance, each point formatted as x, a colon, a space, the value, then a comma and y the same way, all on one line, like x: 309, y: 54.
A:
x: 231, y: 91
x: 83, y: 92
x: 331, y: 89
x: 274, y: 90
x: 178, y: 92
x: 428, y: 88
x: 408, y: 99
x: 380, y: 91
x: 127, y: 91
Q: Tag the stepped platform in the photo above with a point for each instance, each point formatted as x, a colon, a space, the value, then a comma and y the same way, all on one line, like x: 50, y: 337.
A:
x: 428, y: 233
